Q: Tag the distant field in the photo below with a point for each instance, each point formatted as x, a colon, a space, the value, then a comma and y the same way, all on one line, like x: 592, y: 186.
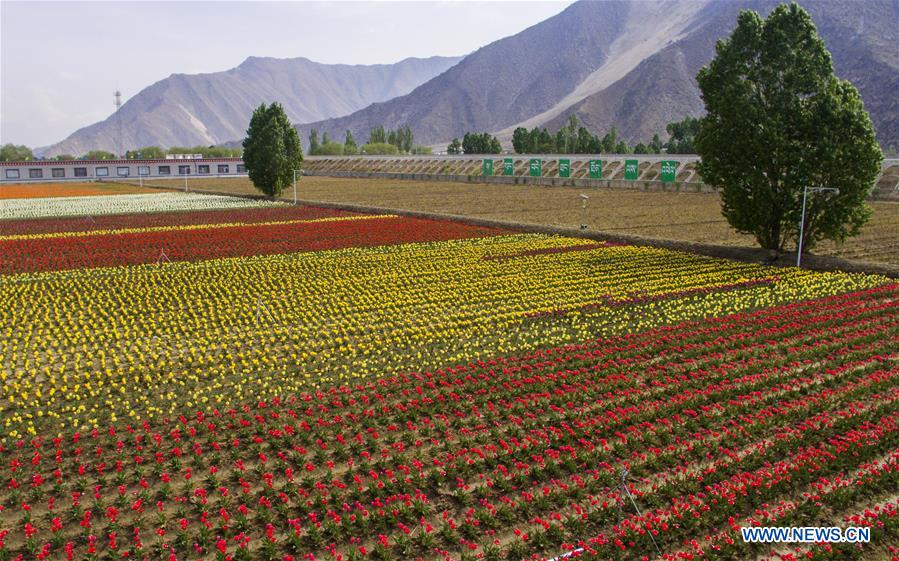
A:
x: 690, y: 217
x: 41, y: 190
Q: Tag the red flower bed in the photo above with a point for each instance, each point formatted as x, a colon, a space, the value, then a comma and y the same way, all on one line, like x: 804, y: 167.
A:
x: 115, y: 222
x: 774, y: 417
x: 33, y: 255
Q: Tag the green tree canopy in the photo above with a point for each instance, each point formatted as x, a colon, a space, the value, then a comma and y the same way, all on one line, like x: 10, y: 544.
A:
x: 545, y: 143
x: 587, y: 143
x: 521, y: 141
x: 148, y: 153
x: 349, y: 144
x: 205, y: 151
x: 572, y: 138
x: 99, y: 155
x: 682, y: 136
x: 455, y: 147
x: 15, y: 153
x: 330, y: 149
x: 271, y: 150
x: 778, y: 120
x: 570, y: 133
x: 610, y: 141
x: 483, y: 143
x: 379, y: 148
x: 377, y: 135
x: 313, y: 142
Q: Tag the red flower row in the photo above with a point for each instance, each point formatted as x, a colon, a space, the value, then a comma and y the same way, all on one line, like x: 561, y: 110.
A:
x: 34, y: 255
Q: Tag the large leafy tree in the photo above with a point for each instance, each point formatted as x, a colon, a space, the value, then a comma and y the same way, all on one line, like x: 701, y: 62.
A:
x: 483, y: 143
x: 778, y: 120
x: 271, y: 150
x: 521, y: 142
x: 682, y: 136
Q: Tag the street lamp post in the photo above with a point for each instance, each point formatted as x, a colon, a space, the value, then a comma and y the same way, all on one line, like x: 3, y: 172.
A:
x: 295, y: 185
x: 802, y: 219
x: 584, y: 199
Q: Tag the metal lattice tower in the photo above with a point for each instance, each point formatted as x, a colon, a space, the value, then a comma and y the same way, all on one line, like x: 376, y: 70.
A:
x: 118, y: 105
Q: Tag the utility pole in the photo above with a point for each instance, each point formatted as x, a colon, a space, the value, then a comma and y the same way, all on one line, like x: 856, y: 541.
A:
x: 118, y: 105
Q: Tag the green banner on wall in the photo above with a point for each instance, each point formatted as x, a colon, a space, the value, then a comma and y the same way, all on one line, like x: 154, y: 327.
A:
x: 669, y: 171
x: 595, y: 169
x: 508, y: 167
x: 631, y: 170
x: 536, y: 167
x: 488, y: 167
x: 564, y: 168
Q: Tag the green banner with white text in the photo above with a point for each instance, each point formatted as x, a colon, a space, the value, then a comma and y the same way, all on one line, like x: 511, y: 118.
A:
x: 669, y: 171
x: 631, y: 170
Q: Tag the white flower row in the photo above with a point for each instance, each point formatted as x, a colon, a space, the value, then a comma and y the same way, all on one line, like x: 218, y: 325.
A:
x: 120, y: 204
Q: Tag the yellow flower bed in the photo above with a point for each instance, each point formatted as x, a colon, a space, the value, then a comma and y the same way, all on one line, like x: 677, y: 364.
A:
x: 82, y: 348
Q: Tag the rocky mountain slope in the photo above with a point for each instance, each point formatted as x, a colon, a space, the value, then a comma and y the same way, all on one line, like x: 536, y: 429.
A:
x: 204, y: 109
x: 624, y: 63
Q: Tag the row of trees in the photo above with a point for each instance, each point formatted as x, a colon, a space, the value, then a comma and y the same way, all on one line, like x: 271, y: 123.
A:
x: 155, y: 152
x: 475, y: 143
x: 574, y: 138
x: 380, y: 141
x: 15, y: 153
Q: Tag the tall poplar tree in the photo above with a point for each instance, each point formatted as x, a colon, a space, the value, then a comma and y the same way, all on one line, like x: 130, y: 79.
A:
x: 778, y: 120
x: 271, y: 150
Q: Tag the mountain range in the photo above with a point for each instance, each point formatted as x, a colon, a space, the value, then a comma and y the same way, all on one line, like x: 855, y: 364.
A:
x: 207, y: 109
x: 629, y: 64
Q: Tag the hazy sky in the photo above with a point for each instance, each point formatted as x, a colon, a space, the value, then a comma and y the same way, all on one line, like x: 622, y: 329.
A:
x: 60, y: 62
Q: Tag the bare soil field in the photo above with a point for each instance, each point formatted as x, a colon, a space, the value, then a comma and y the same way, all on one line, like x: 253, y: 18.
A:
x: 692, y: 217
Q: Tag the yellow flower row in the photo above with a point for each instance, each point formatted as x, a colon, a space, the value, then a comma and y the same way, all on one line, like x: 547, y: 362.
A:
x: 187, y: 227
x: 81, y: 348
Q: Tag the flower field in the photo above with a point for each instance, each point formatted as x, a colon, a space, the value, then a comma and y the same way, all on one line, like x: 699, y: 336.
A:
x: 193, y: 242
x: 298, y: 383
x: 78, y: 224
x: 119, y: 204
x: 67, y: 189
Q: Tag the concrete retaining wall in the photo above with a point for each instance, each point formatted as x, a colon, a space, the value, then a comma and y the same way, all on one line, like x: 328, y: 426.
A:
x: 691, y: 187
